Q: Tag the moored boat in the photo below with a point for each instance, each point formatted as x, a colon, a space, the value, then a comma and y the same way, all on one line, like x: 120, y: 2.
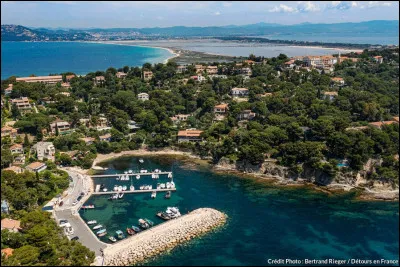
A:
x: 141, y: 160
x: 105, y: 189
x: 120, y: 234
x: 112, y: 239
x: 170, y: 175
x: 115, y: 187
x: 91, y: 222
x: 130, y: 231
x: 130, y: 171
x: 149, y: 222
x: 120, y: 195
x: 143, y: 224
x: 153, y: 194
x: 120, y: 188
x: 132, y: 188
x: 88, y: 207
x: 102, y: 232
x: 162, y: 186
x: 168, y: 195
x: 136, y: 229
x: 138, y: 176
x: 172, y: 184
x: 163, y: 216
x: 97, y: 227
x: 124, y: 188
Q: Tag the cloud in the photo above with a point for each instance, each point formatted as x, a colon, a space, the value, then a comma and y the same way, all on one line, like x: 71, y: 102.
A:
x: 283, y: 9
x: 307, y: 6
x: 342, y: 5
x: 227, y: 4
x: 217, y: 13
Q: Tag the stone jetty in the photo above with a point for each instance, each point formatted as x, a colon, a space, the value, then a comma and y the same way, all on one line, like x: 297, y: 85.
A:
x: 160, y: 238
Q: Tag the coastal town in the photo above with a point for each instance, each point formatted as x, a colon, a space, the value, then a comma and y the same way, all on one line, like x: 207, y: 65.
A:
x: 327, y: 120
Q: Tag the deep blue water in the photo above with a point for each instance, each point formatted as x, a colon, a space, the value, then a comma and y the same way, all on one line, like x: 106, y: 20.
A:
x: 265, y: 221
x: 43, y: 58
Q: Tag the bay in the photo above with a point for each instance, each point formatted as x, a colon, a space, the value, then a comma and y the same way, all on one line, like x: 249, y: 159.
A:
x: 265, y: 221
x: 43, y: 58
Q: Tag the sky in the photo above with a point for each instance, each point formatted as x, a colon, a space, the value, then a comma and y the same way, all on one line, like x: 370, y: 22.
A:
x: 143, y: 14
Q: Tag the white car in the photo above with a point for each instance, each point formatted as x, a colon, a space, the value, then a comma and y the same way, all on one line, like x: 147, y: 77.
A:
x: 75, y: 202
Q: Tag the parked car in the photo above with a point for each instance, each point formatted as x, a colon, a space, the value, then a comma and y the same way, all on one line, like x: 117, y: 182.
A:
x: 75, y: 202
x: 79, y: 198
x: 75, y: 238
x: 62, y: 222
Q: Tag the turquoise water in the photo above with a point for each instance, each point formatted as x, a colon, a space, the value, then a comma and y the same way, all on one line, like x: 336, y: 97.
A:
x: 43, y: 58
x: 265, y: 221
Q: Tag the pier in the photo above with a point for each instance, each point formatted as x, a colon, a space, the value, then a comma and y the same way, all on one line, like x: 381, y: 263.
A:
x: 134, y: 191
x: 130, y: 174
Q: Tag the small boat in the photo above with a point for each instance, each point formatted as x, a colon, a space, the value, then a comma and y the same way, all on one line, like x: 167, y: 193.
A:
x: 143, y: 224
x: 116, y: 188
x: 112, y: 239
x: 141, y: 187
x: 173, y: 212
x: 170, y: 175
x: 153, y: 194
x: 91, y: 222
x: 102, y: 232
x: 168, y: 195
x: 153, y: 176
x: 105, y: 189
x: 163, y: 216
x: 124, y: 188
x: 120, y: 234
x: 88, y: 207
x: 141, y: 160
x: 102, y: 186
x: 130, y: 231
x: 120, y: 188
x: 132, y: 188
x: 118, y: 178
x: 130, y: 171
x: 162, y: 186
x: 120, y: 195
x: 97, y: 227
x: 172, y: 184
x: 125, y: 172
x: 137, y: 177
x: 136, y: 229
x: 168, y: 185
x: 158, y: 186
x: 149, y: 222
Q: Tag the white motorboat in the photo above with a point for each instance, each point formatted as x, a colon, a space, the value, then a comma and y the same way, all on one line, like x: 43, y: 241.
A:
x: 141, y: 187
x: 105, y: 190
x: 162, y: 186
x: 153, y: 176
x: 170, y: 175
x: 130, y: 171
x: 150, y: 187
x: 125, y: 172
x: 97, y: 227
x: 118, y: 178
x: 120, y: 195
x: 153, y: 194
x: 138, y: 177
x: 172, y: 185
x: 124, y: 188
x: 92, y: 222
x: 115, y: 196
x: 158, y: 186
x: 132, y: 188
x: 168, y: 185
x: 115, y: 187
x: 173, y: 212
x: 141, y: 160
x: 120, y: 188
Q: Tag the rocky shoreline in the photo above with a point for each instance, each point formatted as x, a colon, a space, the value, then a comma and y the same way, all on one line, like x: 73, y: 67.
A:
x: 162, y: 237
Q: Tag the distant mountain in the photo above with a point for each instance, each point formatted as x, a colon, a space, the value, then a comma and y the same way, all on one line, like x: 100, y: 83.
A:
x: 21, y: 33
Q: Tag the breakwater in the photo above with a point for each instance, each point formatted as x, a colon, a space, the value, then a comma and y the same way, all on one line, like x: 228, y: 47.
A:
x: 162, y: 237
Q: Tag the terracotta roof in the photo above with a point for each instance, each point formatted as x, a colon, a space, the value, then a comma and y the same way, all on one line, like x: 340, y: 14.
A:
x: 380, y: 123
x: 337, y: 79
x: 16, y: 146
x: 377, y: 56
x: 58, y: 77
x: 105, y: 136
x: 7, y: 252
x: 396, y: 119
x: 35, y: 165
x: 10, y: 224
x: 8, y: 128
x: 330, y: 93
x: 221, y: 106
x: 15, y: 169
x: 189, y: 133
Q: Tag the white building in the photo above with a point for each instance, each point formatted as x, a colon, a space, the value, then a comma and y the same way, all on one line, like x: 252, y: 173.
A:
x: 143, y: 96
x: 44, y: 150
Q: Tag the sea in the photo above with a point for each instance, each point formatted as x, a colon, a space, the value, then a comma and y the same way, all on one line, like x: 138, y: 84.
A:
x: 44, y: 58
x: 265, y: 222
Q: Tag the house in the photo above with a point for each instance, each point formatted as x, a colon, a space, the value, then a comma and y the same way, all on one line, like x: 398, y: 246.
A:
x: 216, y: 76
x: 319, y: 61
x: 10, y: 225
x: 181, y: 69
x: 105, y: 138
x: 120, y: 75
x: 36, y: 166
x: 17, y: 149
x: 9, y: 131
x: 264, y: 95
x: 341, y: 59
x: 63, y: 127
x: 246, y: 115
x: 66, y: 85
x: 358, y: 128
x: 132, y: 125
x: 64, y: 93
x: 99, y: 80
x: 239, y: 92
x: 249, y: 62
x: 221, y: 108
x: 46, y: 100
x: 88, y: 140
x: 198, y: 78
x: 338, y: 81
x: 44, y: 150
x: 379, y: 124
x: 180, y: 117
x: 143, y: 96
x: 102, y: 124
x: 69, y: 77
x: 289, y: 64
x: 7, y: 252
x: 19, y: 160
x: 200, y: 68
x: 396, y: 119
x: 9, y: 89
x: 41, y: 79
x: 190, y: 135
x: 330, y: 95
x: 147, y: 75
x: 246, y: 71
x: 22, y: 104
x: 212, y: 70
x: 378, y: 59
x: 15, y: 169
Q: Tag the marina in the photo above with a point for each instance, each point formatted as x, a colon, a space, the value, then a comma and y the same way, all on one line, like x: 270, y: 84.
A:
x: 152, y: 174
x: 136, y: 191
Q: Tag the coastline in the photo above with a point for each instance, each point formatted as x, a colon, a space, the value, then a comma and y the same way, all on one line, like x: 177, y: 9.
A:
x: 364, y: 194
